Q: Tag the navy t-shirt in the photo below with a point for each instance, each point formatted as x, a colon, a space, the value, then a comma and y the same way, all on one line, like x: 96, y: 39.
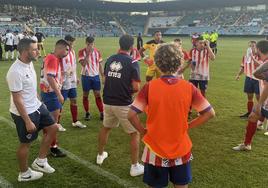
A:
x: 120, y: 71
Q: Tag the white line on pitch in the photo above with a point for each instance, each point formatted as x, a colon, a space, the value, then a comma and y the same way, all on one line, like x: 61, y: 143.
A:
x: 85, y: 163
x: 98, y: 170
x: 4, y: 183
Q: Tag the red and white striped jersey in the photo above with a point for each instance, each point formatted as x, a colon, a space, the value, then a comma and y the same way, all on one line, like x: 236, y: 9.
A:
x: 186, y: 59
x: 150, y: 157
x: 93, y: 64
x: 249, y: 65
x: 200, y: 64
x: 135, y: 54
x: 69, y: 71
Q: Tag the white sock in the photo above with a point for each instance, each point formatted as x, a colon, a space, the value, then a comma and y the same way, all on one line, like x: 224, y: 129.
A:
x: 133, y: 165
x: 27, y: 173
x: 7, y: 55
x: 41, y: 161
x: 259, y: 123
x: 12, y: 55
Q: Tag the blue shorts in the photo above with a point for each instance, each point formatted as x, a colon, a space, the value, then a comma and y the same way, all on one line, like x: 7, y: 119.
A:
x: 70, y: 93
x: 251, y: 86
x: 159, y: 176
x: 51, y: 101
x: 201, y: 84
x: 91, y: 83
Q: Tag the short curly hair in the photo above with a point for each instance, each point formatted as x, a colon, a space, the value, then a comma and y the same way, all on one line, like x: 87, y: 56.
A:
x: 168, y: 58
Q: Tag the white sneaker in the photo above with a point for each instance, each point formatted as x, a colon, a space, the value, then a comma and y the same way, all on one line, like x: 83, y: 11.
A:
x: 136, y: 169
x: 43, y: 167
x: 266, y: 133
x: 30, y: 175
x: 61, y: 128
x: 242, y: 147
x: 101, y: 158
x: 79, y: 125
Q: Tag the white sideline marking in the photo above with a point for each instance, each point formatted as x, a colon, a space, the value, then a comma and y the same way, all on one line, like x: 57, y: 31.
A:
x: 83, y: 162
x: 4, y: 183
x: 98, y: 170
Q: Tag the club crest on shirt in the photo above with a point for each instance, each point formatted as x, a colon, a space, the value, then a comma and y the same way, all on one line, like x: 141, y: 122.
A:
x: 165, y: 163
x: 29, y: 136
x: 116, y: 66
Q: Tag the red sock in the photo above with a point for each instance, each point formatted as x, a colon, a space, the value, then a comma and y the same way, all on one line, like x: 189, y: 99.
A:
x: 251, y: 129
x: 86, y: 104
x: 99, y: 104
x: 250, y: 106
x: 74, y: 112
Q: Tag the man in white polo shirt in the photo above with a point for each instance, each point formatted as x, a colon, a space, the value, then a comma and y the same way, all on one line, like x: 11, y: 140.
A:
x: 28, y: 113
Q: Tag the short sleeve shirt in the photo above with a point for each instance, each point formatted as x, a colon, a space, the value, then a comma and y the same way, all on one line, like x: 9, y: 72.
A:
x: 51, y: 67
x: 120, y: 71
x: 21, y: 77
x: 199, y: 103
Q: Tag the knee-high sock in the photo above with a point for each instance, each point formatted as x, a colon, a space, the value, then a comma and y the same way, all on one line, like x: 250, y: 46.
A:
x: 250, y: 131
x: 86, y: 104
x: 6, y: 55
x: 18, y: 54
x: 250, y: 106
x: 99, y: 104
x: 73, y: 109
x: 12, y: 55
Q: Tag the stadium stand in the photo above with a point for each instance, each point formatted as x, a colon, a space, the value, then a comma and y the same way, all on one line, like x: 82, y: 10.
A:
x: 189, y: 30
x: 133, y: 24
x: 163, y: 22
x: 60, y: 21
x: 198, y: 18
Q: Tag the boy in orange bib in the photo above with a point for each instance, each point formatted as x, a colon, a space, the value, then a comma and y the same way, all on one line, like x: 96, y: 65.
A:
x: 167, y: 151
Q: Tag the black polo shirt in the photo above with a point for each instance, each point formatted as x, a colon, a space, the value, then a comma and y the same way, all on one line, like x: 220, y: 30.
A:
x: 120, y: 70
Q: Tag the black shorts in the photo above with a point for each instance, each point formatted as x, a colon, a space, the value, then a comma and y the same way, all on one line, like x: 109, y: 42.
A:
x: 9, y: 48
x: 41, y: 118
x: 264, y: 112
x: 15, y: 47
x: 213, y: 44
x: 201, y: 84
x: 160, y: 176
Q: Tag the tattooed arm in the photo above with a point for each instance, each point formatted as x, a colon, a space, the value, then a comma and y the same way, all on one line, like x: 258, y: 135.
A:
x: 262, y: 72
